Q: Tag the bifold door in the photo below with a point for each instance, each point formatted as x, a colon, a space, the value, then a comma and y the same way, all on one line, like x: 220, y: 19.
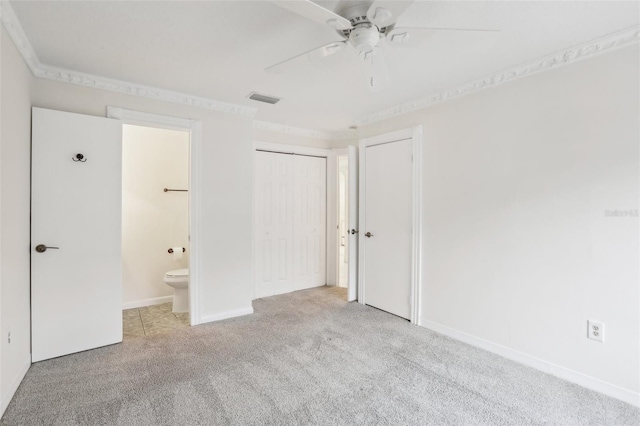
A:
x: 76, y: 279
x: 290, y: 223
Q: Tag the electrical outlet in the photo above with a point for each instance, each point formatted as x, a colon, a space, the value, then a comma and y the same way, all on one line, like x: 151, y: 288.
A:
x: 9, y: 337
x: 596, y: 330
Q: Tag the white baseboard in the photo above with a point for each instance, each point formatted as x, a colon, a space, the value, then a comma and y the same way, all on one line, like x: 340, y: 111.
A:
x: 147, y: 302
x: 226, y: 315
x: 6, y: 398
x: 567, y: 374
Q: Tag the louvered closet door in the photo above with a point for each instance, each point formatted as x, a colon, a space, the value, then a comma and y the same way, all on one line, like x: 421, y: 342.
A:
x: 309, y: 221
x: 273, y: 224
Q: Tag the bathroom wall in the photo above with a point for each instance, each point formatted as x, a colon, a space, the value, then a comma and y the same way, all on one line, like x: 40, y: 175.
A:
x: 152, y: 220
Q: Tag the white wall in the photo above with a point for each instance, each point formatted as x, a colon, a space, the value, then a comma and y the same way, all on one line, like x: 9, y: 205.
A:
x: 15, y: 145
x: 226, y: 187
x: 517, y: 249
x: 152, y: 220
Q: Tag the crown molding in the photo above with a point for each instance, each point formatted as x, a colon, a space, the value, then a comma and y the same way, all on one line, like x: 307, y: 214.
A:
x: 103, y: 83
x: 17, y: 34
x: 561, y: 58
x: 308, y: 133
x: 565, y: 57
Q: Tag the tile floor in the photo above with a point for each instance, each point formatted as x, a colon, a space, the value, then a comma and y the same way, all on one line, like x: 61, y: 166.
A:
x: 150, y: 320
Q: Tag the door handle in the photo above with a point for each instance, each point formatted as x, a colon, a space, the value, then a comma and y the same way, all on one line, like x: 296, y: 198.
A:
x: 353, y: 231
x: 368, y: 235
x: 41, y: 248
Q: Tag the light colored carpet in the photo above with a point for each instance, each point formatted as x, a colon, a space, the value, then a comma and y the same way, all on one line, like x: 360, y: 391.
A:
x: 302, y: 358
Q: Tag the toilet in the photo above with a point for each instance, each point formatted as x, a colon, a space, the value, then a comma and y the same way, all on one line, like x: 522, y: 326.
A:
x: 179, y: 280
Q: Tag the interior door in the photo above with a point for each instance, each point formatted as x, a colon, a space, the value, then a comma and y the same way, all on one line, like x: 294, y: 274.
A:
x: 273, y: 223
x: 387, y: 229
x: 76, y: 192
x: 352, y: 285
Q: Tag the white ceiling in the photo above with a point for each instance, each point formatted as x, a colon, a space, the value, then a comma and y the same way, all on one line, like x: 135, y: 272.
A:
x: 218, y: 49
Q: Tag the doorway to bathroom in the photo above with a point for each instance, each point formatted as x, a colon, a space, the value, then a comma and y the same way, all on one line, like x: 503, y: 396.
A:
x: 155, y: 229
x: 158, y: 260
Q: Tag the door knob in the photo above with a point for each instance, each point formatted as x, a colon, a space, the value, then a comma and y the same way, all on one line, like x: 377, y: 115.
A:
x: 353, y: 231
x: 41, y: 248
x: 368, y: 235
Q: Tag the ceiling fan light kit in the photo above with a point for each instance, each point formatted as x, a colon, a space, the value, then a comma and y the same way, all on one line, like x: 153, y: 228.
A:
x: 366, y: 27
x: 364, y: 37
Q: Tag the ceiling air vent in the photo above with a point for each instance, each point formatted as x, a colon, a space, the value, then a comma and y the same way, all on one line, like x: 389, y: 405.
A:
x: 264, y: 98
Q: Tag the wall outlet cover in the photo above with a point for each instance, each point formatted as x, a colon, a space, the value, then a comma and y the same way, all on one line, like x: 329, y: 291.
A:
x: 595, y: 330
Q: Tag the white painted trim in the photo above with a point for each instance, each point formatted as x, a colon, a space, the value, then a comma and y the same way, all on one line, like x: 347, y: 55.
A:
x: 195, y: 215
x: 416, y: 237
x: 151, y: 120
x: 415, y: 134
x: 353, y: 225
x: 331, y: 254
x: 572, y: 376
x: 6, y: 398
x: 253, y: 222
x: 147, y: 302
x: 227, y: 315
x: 195, y: 219
x: 361, y: 220
x: 563, y: 57
x: 103, y: 83
x: 333, y: 213
x: 309, y: 133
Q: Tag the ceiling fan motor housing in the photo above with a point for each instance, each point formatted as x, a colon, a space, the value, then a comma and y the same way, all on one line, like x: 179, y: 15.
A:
x: 364, y: 37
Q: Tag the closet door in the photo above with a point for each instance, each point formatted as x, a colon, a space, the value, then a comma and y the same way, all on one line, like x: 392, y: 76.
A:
x: 309, y: 221
x: 273, y: 271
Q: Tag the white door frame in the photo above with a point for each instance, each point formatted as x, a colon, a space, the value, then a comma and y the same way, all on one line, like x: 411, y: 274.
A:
x: 335, y: 153
x: 195, y: 128
x: 415, y: 134
x: 300, y: 150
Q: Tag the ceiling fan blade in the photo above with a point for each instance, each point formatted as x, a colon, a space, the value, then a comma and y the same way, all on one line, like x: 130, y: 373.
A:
x: 477, y: 40
x: 309, y: 57
x: 386, y: 12
x: 315, y: 12
x: 375, y: 68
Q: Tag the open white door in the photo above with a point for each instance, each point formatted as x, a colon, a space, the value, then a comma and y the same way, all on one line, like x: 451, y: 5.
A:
x: 352, y: 286
x: 386, y: 229
x: 76, y: 193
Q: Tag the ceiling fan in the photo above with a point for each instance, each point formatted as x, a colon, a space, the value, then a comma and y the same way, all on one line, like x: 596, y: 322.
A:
x: 365, y: 28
